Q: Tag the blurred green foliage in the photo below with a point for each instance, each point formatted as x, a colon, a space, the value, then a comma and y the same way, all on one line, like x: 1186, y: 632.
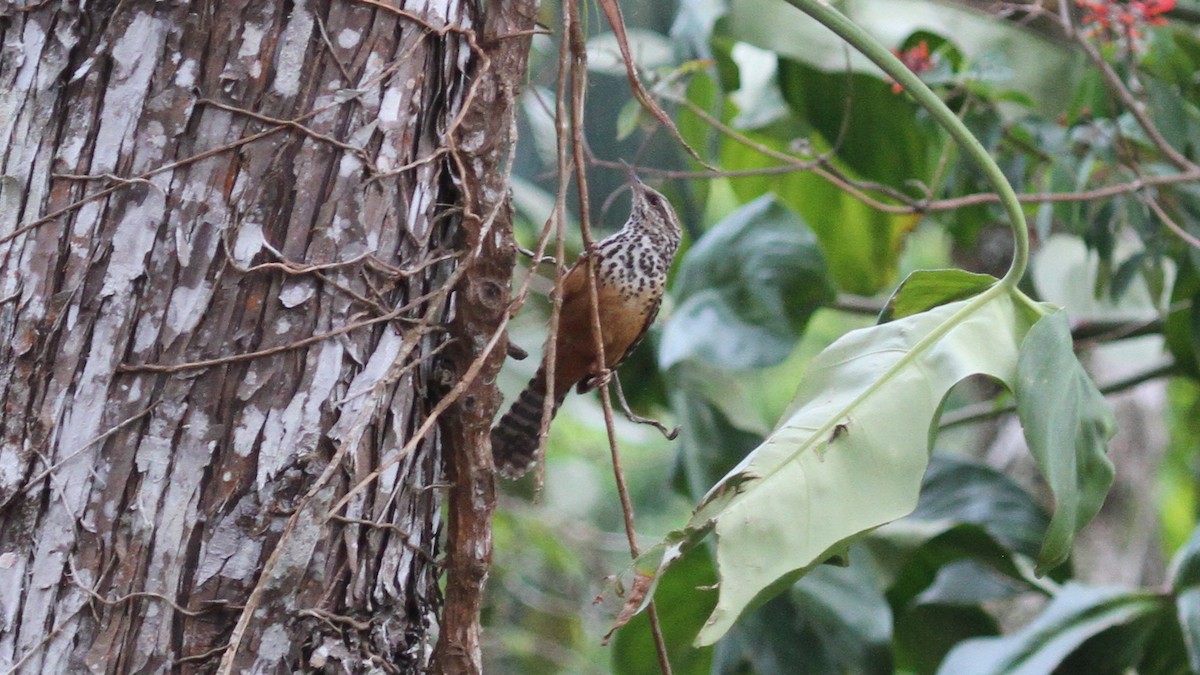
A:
x: 773, y: 251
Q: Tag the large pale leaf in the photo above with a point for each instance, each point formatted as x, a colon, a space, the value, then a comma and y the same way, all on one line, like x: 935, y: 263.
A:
x: 851, y: 453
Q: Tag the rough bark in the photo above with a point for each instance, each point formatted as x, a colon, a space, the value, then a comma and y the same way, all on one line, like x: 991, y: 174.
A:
x: 482, y: 152
x: 271, y: 192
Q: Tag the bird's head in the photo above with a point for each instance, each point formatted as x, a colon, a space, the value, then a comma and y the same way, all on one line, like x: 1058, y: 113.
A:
x: 652, y: 211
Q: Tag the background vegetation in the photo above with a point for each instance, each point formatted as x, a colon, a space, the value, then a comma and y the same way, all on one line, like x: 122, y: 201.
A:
x: 832, y: 186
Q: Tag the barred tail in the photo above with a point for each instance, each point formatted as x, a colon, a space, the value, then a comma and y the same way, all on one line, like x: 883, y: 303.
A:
x: 515, y: 437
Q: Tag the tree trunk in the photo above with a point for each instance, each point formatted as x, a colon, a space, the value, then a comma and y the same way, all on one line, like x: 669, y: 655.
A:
x: 249, y: 251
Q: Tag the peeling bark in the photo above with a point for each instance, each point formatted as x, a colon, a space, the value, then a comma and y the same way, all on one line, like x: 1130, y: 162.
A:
x: 229, y: 236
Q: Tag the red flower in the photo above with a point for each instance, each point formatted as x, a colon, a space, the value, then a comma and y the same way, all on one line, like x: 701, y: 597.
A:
x: 1129, y: 13
x: 1153, y: 9
x: 917, y: 59
x: 1123, y: 20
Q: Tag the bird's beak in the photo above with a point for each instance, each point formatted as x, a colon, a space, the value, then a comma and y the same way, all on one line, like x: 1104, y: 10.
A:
x: 633, y: 177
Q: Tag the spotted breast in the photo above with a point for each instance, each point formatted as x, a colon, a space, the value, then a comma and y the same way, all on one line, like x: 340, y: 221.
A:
x: 631, y: 274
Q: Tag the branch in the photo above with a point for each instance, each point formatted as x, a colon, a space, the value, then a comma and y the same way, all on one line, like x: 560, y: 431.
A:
x: 579, y: 85
x: 986, y: 410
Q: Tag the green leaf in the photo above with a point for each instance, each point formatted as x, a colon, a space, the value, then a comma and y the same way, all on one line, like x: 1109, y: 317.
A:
x: 1186, y: 586
x: 859, y: 425
x: 971, y: 523
x: 927, y: 633
x: 704, y: 92
x: 747, y: 287
x: 857, y: 115
x: 628, y: 119
x: 834, y: 620
x: 1076, y: 614
x: 963, y: 542
x: 926, y: 289
x: 861, y: 243
x: 1067, y: 426
x: 1166, y: 106
x: 960, y: 491
x: 681, y: 610
x: 711, y: 443
x: 1183, y: 324
x: 1177, y: 492
x: 1163, y: 652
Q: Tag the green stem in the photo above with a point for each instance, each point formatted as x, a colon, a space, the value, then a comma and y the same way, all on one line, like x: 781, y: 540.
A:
x: 865, y: 43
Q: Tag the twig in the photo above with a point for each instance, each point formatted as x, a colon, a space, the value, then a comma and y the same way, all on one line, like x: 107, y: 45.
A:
x: 559, y: 217
x: 612, y: 10
x: 332, y: 52
x: 296, y: 126
x: 986, y: 410
x: 16, y: 667
x: 1171, y: 224
x: 249, y: 356
x: 578, y: 83
x: 136, y: 179
x: 100, y: 438
x: 334, y: 619
x: 404, y: 535
x: 1130, y: 102
x: 916, y: 206
x: 202, y: 655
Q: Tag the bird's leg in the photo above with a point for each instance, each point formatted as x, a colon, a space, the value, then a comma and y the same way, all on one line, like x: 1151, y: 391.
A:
x: 599, y: 377
x: 638, y: 419
x: 533, y: 256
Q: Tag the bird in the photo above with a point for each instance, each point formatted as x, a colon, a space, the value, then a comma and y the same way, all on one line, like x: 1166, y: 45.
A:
x: 630, y: 268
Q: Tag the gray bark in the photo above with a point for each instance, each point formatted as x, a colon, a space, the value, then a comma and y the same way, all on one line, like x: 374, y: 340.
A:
x: 158, y: 516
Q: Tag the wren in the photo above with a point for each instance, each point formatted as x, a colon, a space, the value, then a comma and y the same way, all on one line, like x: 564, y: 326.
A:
x: 631, y: 268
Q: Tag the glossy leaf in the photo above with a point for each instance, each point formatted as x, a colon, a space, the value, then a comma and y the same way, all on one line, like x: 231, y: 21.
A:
x: 1067, y: 426
x: 1076, y: 614
x: 926, y: 289
x: 960, y: 543
x: 927, y: 633
x: 960, y: 491
x: 746, y: 289
x: 859, y: 425
x: 834, y: 620
x: 861, y: 243
x: 858, y: 115
x: 1186, y: 586
x: 972, y: 523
